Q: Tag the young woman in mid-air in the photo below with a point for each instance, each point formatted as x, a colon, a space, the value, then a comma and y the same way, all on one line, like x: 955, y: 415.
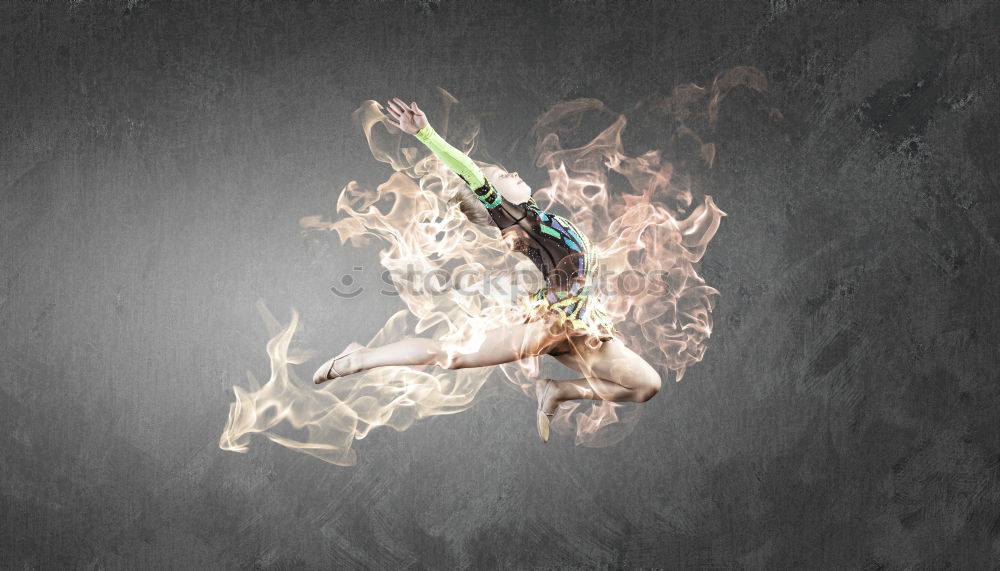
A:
x: 568, y: 318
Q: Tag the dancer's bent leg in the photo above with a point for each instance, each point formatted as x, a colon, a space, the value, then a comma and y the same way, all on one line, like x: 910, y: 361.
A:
x: 613, y: 372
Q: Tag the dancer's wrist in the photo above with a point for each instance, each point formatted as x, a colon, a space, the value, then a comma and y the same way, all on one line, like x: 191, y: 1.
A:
x: 425, y: 133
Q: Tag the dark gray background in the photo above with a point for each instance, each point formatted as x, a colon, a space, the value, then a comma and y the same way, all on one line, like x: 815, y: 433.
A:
x: 156, y: 159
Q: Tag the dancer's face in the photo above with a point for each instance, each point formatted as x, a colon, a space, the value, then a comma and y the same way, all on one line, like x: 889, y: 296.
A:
x: 510, y: 185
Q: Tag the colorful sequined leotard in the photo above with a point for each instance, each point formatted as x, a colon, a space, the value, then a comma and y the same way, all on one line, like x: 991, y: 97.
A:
x: 555, y: 245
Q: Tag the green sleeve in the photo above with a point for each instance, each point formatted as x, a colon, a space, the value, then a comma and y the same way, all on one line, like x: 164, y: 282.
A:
x: 463, y: 166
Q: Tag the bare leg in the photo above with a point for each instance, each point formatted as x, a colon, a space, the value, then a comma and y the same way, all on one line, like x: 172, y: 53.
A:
x: 591, y: 389
x: 502, y: 345
x: 613, y: 372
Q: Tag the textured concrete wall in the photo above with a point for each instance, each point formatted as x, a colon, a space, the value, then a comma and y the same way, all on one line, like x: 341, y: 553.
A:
x: 156, y: 158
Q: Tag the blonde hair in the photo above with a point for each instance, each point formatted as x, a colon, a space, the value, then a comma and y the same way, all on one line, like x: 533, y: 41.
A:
x: 469, y: 203
x: 472, y: 207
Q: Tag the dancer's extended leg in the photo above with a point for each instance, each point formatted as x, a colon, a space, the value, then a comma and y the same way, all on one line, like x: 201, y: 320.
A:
x: 502, y: 345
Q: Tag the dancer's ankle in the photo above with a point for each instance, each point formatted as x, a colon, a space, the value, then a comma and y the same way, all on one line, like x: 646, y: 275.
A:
x: 346, y: 365
x: 551, y: 394
x: 353, y: 363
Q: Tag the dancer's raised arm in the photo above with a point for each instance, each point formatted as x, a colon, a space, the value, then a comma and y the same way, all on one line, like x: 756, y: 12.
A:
x: 502, y: 210
x: 412, y: 120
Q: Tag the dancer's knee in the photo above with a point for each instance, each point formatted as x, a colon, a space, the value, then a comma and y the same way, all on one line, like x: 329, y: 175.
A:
x: 451, y: 361
x: 648, y: 384
x: 454, y: 359
x: 447, y: 359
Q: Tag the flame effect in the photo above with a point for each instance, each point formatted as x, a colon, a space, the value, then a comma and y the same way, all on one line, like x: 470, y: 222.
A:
x: 650, y: 235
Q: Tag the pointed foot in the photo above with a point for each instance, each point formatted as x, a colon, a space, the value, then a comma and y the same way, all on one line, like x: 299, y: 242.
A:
x: 542, y: 424
x: 546, y: 403
x: 330, y: 370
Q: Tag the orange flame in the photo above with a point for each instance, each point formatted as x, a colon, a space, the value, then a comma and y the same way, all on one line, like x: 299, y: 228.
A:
x: 653, y: 233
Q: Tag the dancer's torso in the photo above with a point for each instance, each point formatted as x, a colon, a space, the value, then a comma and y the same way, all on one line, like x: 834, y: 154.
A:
x: 555, y: 245
x: 560, y: 250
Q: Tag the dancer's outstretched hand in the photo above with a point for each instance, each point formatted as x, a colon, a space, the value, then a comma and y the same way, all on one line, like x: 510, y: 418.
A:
x: 409, y: 119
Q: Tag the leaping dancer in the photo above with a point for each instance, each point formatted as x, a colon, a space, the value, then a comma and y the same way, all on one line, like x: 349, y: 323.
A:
x: 567, y: 325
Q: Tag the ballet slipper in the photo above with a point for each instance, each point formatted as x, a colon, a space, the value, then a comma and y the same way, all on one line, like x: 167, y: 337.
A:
x: 327, y: 368
x: 542, y: 418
